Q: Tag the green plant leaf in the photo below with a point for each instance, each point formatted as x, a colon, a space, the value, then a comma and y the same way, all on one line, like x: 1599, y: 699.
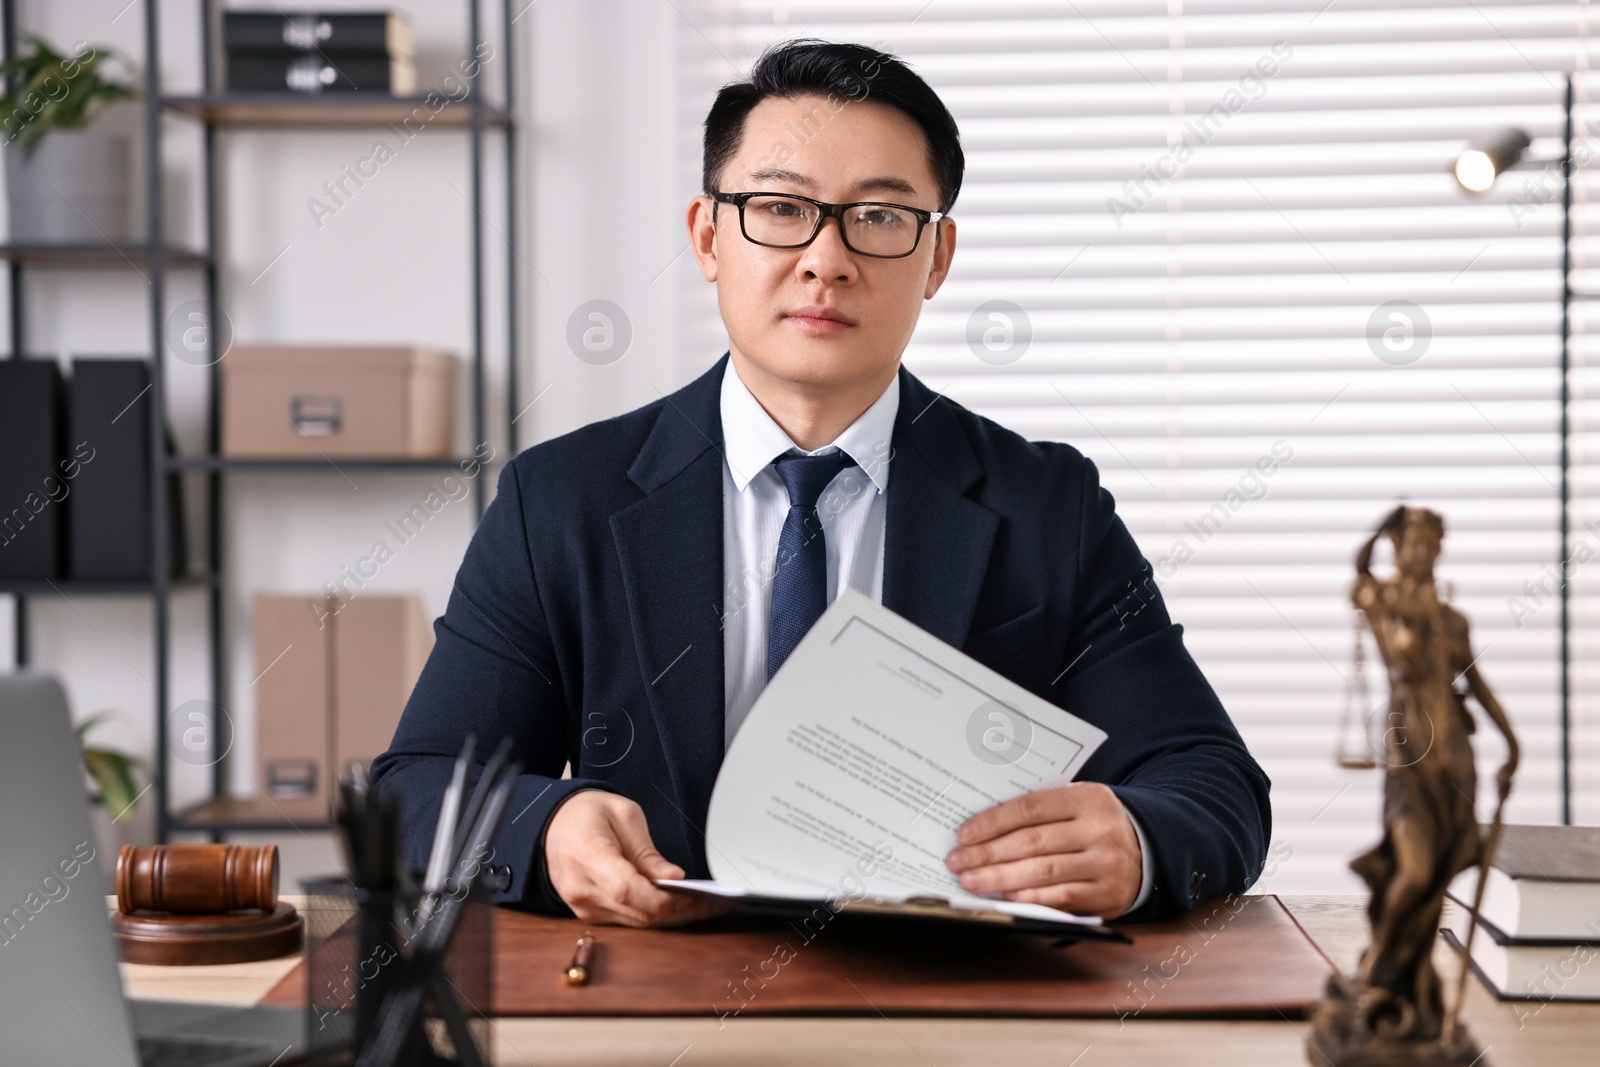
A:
x: 46, y: 97
x: 115, y: 774
x: 112, y: 773
x: 83, y: 728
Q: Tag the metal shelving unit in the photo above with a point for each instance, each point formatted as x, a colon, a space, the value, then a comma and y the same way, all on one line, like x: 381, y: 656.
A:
x: 277, y: 110
x: 98, y: 586
x: 97, y: 255
x: 217, y: 111
x: 233, y: 463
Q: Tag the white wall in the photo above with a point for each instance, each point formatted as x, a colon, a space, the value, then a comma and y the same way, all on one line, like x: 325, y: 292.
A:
x: 600, y: 217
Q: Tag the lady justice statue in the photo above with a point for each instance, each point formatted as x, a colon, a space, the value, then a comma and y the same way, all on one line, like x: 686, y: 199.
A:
x: 1392, y: 1011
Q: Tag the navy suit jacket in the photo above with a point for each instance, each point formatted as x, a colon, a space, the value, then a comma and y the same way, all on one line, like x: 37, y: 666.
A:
x: 586, y: 623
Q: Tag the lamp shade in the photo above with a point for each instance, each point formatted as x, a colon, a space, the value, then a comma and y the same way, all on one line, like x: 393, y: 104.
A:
x: 1477, y: 166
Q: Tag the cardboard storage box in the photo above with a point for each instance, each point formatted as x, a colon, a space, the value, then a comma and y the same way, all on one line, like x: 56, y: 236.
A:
x: 310, y: 402
x: 379, y: 646
x: 334, y: 676
x: 294, y: 710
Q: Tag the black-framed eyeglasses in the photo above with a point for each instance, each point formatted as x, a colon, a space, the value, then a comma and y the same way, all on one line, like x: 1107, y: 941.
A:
x: 868, y: 227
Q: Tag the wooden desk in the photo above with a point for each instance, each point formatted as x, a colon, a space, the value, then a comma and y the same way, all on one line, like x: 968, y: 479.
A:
x: 1522, y: 1033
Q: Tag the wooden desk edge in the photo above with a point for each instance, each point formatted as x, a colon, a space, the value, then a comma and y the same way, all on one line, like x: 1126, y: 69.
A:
x: 1527, y: 1032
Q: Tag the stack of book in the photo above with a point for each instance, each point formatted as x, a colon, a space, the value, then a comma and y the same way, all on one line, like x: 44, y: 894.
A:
x: 310, y: 52
x: 1539, y: 925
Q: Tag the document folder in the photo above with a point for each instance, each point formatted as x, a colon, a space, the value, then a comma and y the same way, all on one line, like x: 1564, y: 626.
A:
x: 932, y: 911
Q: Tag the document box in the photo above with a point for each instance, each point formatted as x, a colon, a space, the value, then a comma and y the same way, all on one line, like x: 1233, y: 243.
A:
x: 334, y: 675
x: 312, y: 402
x: 111, y: 527
x: 34, y: 471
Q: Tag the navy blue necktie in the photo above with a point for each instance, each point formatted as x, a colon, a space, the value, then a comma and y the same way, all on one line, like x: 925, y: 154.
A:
x: 800, y: 579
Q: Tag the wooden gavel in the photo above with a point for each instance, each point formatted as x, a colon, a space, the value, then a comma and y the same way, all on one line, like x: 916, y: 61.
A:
x: 197, y: 879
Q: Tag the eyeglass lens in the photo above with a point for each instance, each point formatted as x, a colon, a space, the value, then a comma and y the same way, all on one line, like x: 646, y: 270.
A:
x: 870, y: 228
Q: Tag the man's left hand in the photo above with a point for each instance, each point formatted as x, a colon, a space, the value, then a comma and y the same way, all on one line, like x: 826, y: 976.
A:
x: 1070, y: 846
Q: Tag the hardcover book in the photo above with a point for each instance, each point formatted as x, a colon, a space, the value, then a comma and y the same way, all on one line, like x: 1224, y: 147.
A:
x: 1544, y: 883
x: 382, y: 32
x: 317, y: 73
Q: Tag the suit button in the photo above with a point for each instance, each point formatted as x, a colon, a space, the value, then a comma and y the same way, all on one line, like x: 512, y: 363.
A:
x: 1197, y: 879
x: 498, y: 876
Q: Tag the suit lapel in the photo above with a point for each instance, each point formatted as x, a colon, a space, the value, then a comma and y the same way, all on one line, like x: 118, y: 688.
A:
x: 937, y: 541
x: 669, y: 545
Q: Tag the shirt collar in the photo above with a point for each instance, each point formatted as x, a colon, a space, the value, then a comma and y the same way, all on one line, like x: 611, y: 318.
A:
x: 752, y: 440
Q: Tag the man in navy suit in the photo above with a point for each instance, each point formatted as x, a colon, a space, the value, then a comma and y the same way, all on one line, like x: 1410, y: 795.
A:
x: 635, y: 582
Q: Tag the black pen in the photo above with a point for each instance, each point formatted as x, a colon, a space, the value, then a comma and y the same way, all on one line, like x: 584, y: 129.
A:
x: 444, y: 832
x: 469, y: 814
x: 400, y: 1008
x: 488, y: 820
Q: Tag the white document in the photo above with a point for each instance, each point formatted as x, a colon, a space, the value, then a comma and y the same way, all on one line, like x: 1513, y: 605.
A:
x: 870, y: 746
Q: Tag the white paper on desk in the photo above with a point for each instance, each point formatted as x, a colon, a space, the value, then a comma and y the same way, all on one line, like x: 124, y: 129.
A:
x: 871, y: 744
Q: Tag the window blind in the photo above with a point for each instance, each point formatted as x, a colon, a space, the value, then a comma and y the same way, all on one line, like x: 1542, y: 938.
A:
x: 1236, y: 272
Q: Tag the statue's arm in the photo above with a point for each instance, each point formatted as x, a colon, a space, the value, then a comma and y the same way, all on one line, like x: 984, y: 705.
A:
x: 1364, y: 558
x: 1367, y: 596
x: 1491, y: 706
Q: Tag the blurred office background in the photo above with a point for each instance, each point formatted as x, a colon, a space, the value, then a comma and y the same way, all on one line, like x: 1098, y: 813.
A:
x: 1221, y: 243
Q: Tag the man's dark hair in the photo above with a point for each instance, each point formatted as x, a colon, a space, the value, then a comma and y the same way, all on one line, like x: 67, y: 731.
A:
x: 843, y: 73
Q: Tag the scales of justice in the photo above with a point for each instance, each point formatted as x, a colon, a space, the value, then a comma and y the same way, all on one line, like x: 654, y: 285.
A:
x: 1392, y: 1011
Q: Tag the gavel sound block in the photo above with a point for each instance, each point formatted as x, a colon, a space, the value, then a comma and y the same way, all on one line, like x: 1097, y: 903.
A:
x: 200, y: 904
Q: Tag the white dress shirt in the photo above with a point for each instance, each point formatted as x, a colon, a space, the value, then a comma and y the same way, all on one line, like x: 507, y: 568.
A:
x: 754, y: 506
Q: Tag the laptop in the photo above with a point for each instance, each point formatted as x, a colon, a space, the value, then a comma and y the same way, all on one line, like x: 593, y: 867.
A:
x: 61, y: 996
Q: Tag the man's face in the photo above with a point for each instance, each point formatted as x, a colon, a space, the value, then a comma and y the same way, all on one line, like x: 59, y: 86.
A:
x: 837, y: 152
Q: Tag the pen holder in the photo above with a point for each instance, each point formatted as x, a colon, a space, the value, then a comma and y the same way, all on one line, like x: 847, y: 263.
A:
x: 361, y: 950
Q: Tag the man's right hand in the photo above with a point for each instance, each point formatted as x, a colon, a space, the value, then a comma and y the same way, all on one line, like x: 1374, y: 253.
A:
x: 600, y: 859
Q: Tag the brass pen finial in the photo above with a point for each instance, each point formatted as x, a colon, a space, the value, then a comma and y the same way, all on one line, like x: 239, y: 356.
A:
x: 577, y: 972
